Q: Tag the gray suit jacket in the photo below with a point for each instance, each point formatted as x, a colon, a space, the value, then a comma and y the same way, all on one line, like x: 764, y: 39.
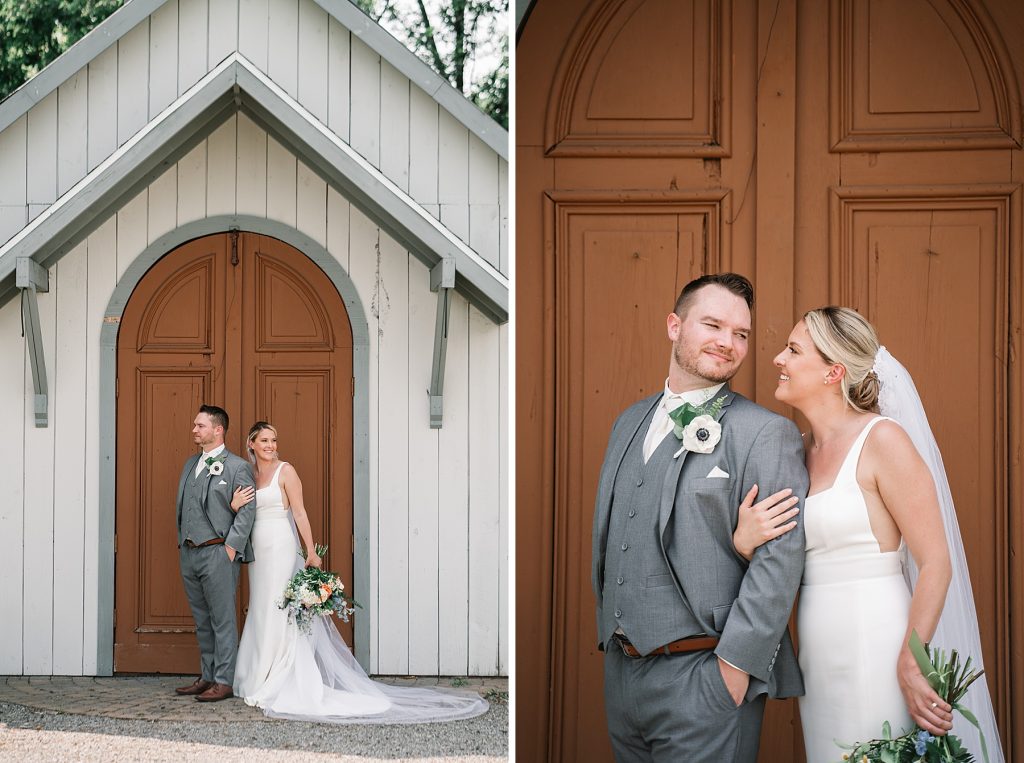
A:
x: 234, y: 528
x: 746, y: 605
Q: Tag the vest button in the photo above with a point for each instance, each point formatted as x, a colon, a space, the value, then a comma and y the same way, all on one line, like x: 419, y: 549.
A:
x: 632, y: 513
x: 618, y: 613
x: 619, y: 580
x: 639, y: 482
x: 625, y: 546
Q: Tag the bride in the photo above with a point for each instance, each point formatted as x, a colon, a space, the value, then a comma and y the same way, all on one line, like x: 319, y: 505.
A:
x: 878, y: 490
x: 311, y: 677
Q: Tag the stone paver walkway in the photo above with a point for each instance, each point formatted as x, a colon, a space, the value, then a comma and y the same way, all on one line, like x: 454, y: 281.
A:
x: 153, y: 698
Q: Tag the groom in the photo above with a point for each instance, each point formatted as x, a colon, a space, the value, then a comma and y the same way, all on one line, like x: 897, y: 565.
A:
x: 695, y: 636
x: 213, y: 542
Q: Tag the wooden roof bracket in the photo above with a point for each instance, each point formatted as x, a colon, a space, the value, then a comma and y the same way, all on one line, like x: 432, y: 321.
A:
x: 442, y: 280
x: 30, y: 278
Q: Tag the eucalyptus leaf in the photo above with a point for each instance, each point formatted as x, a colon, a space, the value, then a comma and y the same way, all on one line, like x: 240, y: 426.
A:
x: 969, y: 716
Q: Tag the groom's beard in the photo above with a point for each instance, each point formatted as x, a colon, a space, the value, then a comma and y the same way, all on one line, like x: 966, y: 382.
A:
x: 697, y: 364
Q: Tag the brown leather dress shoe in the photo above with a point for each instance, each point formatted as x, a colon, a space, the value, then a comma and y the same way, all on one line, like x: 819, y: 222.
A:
x: 215, y: 693
x: 196, y: 687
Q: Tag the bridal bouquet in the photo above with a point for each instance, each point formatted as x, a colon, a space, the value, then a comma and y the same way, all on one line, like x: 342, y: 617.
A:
x: 950, y: 681
x: 312, y: 593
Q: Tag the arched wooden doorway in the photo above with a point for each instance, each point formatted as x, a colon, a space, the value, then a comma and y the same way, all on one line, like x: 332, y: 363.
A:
x: 247, y: 322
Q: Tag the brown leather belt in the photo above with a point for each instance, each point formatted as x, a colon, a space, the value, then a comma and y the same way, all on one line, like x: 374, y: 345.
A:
x: 213, y: 542
x: 693, y: 644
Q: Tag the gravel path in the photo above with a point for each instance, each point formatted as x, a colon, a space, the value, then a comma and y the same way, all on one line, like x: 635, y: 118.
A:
x: 28, y: 735
x: 139, y: 718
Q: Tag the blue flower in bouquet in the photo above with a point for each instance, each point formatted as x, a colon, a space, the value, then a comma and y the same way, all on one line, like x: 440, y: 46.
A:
x: 921, y: 743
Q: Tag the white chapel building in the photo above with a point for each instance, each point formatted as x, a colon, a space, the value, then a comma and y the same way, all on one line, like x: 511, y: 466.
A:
x: 272, y: 206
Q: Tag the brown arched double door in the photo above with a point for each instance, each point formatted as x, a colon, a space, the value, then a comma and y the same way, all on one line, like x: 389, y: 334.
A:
x: 249, y: 323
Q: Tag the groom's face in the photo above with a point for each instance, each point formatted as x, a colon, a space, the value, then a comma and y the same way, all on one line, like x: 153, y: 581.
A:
x: 710, y: 341
x: 204, y: 432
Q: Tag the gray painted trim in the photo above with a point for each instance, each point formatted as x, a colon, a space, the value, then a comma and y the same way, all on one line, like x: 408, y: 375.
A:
x: 237, y: 84
x: 419, y: 73
x: 108, y: 412
x: 142, y: 159
x: 115, y: 26
x: 366, y: 29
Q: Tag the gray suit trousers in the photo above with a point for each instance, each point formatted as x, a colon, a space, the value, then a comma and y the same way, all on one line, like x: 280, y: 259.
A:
x: 676, y: 708
x: 211, y: 580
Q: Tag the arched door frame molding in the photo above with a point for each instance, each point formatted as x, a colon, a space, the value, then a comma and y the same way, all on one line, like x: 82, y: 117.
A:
x: 108, y: 412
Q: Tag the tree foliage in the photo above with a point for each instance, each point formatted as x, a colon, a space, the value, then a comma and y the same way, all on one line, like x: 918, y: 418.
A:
x: 465, y: 41
x: 34, y: 32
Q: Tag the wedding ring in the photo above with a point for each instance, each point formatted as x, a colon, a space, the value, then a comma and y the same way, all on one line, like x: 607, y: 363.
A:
x: 935, y: 704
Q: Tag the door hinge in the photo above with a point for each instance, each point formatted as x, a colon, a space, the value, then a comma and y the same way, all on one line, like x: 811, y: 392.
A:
x: 353, y: 386
x: 115, y: 617
x: 115, y: 543
x: 353, y: 544
x: 117, y: 387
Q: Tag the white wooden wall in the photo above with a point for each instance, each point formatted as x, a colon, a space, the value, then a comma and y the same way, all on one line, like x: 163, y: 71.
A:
x: 439, y: 512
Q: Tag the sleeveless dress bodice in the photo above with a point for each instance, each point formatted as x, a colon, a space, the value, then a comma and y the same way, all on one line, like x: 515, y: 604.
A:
x: 851, y: 620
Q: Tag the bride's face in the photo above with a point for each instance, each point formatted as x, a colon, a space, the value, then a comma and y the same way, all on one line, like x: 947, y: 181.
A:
x: 264, y: 445
x: 802, y: 370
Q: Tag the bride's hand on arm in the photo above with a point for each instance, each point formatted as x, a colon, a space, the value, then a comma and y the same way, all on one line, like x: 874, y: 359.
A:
x: 242, y: 496
x: 907, y: 490
x: 291, y: 486
x: 760, y: 522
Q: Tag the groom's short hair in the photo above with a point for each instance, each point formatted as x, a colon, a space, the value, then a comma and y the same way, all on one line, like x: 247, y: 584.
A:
x: 732, y: 282
x: 217, y: 415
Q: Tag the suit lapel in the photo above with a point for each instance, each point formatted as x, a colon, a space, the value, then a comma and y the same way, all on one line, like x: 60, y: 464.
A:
x: 187, y: 473
x: 671, y: 485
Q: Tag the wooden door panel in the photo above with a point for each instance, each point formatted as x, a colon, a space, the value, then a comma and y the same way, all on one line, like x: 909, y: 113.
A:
x: 931, y: 276
x: 290, y: 315
x: 168, y: 402
x: 942, y: 84
x: 180, y: 316
x: 645, y: 77
x: 299, y: 401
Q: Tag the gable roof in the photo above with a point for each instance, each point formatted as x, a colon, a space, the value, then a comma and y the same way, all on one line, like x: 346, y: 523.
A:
x: 125, y: 18
x: 237, y: 85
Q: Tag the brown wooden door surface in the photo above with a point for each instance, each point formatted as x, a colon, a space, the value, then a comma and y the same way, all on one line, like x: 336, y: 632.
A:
x: 848, y: 152
x: 249, y: 323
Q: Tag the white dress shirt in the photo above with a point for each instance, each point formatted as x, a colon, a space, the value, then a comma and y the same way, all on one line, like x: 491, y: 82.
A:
x: 201, y: 464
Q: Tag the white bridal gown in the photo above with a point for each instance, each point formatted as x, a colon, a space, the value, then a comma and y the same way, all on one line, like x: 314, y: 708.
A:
x: 314, y: 677
x: 851, y: 620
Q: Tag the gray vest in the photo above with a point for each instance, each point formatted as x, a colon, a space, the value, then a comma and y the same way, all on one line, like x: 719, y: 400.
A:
x: 194, y: 524
x: 639, y: 593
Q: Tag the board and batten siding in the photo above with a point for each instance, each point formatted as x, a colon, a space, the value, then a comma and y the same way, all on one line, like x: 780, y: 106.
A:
x: 438, y: 498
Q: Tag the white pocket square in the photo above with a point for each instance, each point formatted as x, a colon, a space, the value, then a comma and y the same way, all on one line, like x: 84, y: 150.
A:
x: 222, y: 482
x: 718, y: 473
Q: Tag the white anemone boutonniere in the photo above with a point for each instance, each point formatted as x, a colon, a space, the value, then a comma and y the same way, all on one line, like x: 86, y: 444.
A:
x: 215, y: 465
x: 697, y: 426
